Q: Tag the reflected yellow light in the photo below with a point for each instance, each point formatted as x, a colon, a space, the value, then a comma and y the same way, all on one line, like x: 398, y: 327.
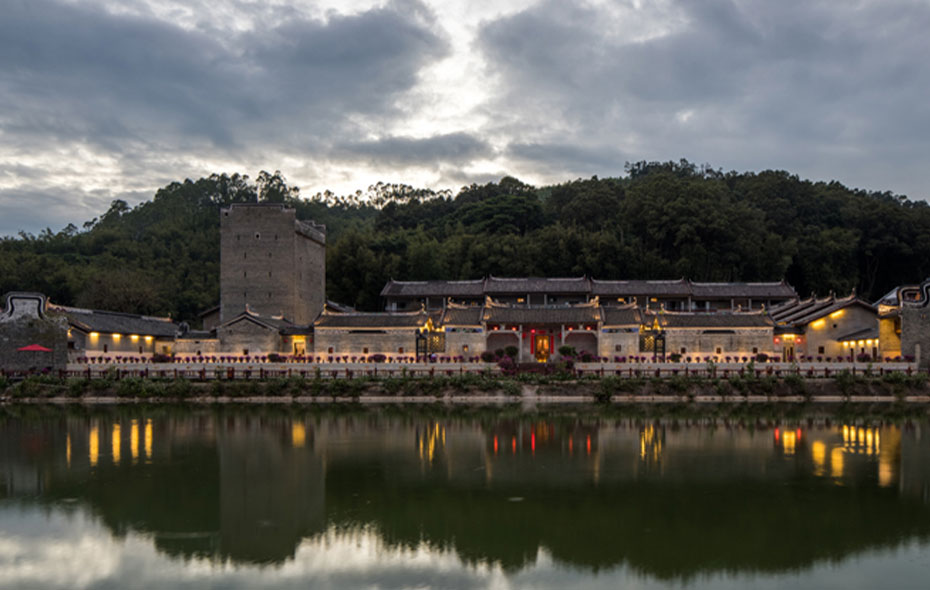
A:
x: 650, y: 444
x: 818, y: 324
x: 869, y: 440
x: 861, y: 435
x: 134, y: 337
x: 298, y: 435
x: 788, y: 441
x: 819, y: 456
x: 148, y: 439
x: 836, y: 462
x: 93, y: 447
x: 845, y: 434
x: 134, y: 441
x: 115, y: 444
x: 885, y: 473
x: 68, y: 450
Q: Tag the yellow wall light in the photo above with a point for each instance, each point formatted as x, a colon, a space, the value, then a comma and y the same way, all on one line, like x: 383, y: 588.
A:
x: 837, y: 314
x: 818, y: 324
x: 134, y: 337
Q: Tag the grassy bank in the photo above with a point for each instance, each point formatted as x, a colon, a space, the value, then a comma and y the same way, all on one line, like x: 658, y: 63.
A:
x: 603, y: 389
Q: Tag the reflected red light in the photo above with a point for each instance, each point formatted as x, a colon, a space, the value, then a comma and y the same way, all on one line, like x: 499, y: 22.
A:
x: 799, y: 434
x: 570, y: 446
x: 513, y: 444
x: 777, y: 435
x: 533, y: 442
x: 588, y: 444
x: 495, y: 444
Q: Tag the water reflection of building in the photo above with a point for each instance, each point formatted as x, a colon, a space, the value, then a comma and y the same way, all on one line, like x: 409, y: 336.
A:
x: 250, y: 486
x: 844, y: 453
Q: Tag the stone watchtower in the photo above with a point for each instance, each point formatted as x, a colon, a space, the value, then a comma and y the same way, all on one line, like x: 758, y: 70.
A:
x: 271, y: 262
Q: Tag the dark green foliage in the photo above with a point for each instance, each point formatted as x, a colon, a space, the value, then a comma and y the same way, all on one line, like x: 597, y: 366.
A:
x: 660, y: 221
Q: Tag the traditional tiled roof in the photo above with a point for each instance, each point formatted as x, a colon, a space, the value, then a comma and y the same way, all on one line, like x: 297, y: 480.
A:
x: 522, y: 286
x: 712, y: 320
x: 541, y: 314
x: 627, y: 315
x: 279, y: 324
x: 362, y: 320
x: 679, y: 287
x: 434, y: 289
x: 496, y: 286
x: 809, y: 310
x: 462, y: 315
x: 111, y: 322
x: 777, y: 290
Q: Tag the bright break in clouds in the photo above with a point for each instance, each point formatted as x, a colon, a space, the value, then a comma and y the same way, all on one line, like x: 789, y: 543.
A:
x: 105, y: 99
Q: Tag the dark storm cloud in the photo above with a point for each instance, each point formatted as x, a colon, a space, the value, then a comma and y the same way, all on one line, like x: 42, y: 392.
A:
x: 77, y: 72
x: 451, y: 147
x: 823, y: 88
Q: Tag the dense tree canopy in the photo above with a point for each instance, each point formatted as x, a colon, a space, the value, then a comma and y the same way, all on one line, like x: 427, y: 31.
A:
x: 658, y: 221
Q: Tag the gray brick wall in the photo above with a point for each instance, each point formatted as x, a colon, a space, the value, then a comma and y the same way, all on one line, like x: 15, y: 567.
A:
x: 271, y: 262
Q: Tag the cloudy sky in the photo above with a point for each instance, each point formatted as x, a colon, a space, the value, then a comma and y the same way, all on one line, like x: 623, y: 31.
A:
x: 104, y: 99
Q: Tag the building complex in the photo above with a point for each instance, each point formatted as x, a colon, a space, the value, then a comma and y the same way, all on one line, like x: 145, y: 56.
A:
x: 273, y: 303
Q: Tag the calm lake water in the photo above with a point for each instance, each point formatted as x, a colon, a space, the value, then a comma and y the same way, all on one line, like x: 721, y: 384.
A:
x: 248, y: 497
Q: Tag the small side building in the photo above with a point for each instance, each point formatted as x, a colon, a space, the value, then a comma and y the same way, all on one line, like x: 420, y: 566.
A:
x: 904, y: 322
x: 102, y: 334
x: 830, y: 327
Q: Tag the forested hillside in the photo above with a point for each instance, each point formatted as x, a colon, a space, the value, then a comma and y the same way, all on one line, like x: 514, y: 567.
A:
x: 660, y: 220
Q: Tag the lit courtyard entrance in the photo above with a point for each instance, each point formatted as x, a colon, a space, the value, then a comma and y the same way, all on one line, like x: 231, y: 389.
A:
x: 542, y: 346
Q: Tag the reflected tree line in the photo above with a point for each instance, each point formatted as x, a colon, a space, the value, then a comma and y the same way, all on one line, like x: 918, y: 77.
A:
x: 656, y: 221
x: 250, y: 486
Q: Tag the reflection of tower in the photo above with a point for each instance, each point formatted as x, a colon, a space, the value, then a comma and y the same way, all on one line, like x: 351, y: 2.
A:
x: 271, y: 263
x: 272, y: 488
